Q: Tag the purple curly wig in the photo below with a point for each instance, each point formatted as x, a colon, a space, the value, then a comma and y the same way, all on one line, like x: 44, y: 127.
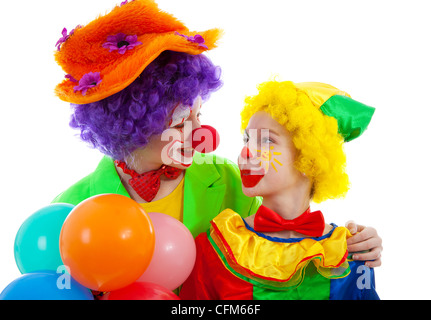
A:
x: 123, y: 122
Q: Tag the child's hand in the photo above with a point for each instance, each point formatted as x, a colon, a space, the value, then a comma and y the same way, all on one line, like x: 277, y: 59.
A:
x: 365, y: 239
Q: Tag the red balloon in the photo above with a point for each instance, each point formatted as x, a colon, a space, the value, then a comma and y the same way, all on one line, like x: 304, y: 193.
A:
x: 141, y: 291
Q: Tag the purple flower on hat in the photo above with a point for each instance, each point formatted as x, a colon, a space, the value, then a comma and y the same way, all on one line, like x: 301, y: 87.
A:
x: 89, y: 80
x: 121, y: 42
x: 65, y: 36
x: 62, y: 39
x: 125, y: 2
x: 197, y: 38
x: 69, y: 76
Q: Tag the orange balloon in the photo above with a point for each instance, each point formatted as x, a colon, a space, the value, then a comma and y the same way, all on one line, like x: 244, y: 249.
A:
x: 107, y: 241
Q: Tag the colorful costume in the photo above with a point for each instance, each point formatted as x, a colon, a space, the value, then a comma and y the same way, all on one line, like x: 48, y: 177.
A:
x: 124, y: 78
x: 210, y: 186
x: 237, y: 263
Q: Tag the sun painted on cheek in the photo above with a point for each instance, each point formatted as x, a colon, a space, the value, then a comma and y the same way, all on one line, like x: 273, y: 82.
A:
x: 251, y: 178
x: 267, y: 158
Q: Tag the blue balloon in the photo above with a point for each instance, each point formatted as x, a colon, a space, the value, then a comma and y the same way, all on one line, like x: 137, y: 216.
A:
x: 45, y: 286
x: 37, y: 240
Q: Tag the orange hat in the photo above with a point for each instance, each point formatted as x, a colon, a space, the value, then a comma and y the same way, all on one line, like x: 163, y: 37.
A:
x: 109, y: 53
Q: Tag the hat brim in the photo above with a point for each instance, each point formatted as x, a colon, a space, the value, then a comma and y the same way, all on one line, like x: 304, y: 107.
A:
x: 123, y: 71
x: 90, y: 49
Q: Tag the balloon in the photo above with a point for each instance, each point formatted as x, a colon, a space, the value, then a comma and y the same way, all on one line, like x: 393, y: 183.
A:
x: 174, y: 254
x: 205, y: 139
x: 36, y: 242
x: 107, y: 242
x: 141, y: 291
x: 47, y: 285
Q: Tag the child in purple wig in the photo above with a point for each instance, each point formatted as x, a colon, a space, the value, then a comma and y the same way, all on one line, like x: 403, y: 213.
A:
x: 123, y: 122
x: 128, y: 126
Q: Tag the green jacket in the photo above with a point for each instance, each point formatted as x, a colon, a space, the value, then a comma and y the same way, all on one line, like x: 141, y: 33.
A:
x: 209, y: 188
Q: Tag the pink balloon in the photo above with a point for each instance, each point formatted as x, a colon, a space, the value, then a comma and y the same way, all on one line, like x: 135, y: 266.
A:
x: 174, y: 252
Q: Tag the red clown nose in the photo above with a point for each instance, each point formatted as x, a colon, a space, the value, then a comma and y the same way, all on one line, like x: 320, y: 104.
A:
x: 246, y: 153
x: 205, y: 139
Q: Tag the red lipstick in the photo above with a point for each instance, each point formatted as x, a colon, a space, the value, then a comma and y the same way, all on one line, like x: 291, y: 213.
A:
x: 250, y: 178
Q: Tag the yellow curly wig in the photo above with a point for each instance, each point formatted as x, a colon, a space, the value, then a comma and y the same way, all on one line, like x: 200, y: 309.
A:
x: 315, y: 135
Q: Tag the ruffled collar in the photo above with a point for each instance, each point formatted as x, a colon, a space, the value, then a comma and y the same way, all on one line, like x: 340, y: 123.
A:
x: 276, y: 262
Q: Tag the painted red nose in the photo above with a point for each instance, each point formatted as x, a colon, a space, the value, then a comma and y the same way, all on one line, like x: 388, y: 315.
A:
x: 205, y: 139
x: 246, y: 153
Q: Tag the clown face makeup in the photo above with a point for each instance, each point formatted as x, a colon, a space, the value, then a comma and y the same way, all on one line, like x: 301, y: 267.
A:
x: 179, y: 151
x: 250, y: 177
x: 267, y: 160
x: 254, y: 156
x: 180, y: 114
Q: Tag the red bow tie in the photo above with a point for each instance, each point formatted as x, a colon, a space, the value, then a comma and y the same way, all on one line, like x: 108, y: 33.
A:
x: 308, y: 223
x: 147, y: 184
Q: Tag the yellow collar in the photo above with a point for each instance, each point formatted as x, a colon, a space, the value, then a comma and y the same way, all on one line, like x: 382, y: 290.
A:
x: 283, y: 260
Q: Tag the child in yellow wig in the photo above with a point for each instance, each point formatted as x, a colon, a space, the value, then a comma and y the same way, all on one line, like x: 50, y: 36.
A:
x: 293, y: 154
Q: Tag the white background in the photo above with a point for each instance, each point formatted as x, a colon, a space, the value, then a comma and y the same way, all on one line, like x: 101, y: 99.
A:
x: 378, y: 51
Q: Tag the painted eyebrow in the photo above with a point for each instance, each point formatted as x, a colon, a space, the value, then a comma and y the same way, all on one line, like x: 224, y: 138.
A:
x: 184, y: 120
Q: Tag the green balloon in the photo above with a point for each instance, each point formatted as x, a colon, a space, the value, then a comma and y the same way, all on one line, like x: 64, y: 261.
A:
x: 37, y: 240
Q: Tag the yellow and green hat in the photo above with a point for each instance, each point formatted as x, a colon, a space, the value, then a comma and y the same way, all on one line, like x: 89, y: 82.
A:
x: 352, y: 116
